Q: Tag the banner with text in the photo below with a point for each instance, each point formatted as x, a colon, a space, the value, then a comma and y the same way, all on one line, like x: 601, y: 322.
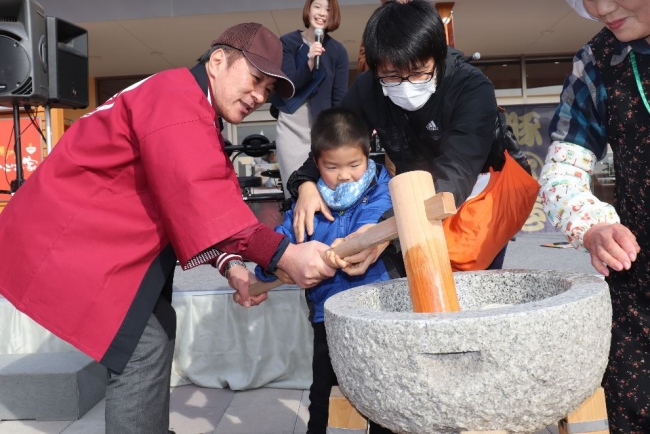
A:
x: 530, y: 124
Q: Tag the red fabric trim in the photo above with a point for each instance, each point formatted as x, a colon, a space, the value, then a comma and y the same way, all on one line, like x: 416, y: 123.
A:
x: 223, y: 260
x: 262, y: 246
x: 257, y: 243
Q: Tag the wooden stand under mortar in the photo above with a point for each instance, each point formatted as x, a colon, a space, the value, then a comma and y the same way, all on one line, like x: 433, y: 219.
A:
x: 590, y: 417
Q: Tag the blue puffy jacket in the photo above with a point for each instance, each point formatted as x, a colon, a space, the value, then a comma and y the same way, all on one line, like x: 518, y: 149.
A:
x: 366, y: 210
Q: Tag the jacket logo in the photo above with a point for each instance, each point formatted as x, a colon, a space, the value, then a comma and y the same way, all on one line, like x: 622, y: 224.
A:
x: 431, y: 126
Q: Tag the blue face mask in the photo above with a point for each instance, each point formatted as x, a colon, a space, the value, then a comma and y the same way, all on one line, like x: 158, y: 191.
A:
x: 348, y: 193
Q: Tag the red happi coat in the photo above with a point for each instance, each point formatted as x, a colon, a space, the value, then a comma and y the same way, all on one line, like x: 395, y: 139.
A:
x: 143, y: 170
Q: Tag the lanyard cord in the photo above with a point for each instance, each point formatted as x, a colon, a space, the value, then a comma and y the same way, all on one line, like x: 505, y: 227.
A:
x: 638, y: 81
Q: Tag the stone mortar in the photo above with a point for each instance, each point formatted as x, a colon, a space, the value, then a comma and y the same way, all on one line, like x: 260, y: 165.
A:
x: 517, y: 368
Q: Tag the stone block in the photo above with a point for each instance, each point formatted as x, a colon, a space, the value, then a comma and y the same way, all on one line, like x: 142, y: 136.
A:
x: 49, y: 386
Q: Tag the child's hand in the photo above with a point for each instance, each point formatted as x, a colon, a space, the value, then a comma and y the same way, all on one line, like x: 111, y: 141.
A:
x: 331, y: 258
x: 359, y: 263
x: 284, y: 277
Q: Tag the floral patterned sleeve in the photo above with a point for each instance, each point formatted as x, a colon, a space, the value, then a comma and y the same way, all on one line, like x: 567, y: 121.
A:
x: 579, y: 138
x: 566, y: 194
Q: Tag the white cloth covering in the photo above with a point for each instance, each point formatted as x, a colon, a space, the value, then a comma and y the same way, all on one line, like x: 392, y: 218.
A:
x: 219, y: 344
x: 293, y: 141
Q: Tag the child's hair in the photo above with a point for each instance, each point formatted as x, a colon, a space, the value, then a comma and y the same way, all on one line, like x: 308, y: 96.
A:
x: 338, y: 127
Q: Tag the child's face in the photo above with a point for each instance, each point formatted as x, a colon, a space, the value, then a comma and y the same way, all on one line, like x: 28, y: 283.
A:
x: 629, y: 20
x: 344, y: 164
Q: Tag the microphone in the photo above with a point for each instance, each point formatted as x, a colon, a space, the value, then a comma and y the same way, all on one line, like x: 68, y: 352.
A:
x: 318, y: 33
x: 473, y: 57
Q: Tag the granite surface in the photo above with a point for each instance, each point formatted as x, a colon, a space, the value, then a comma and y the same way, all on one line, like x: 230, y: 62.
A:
x: 527, y: 348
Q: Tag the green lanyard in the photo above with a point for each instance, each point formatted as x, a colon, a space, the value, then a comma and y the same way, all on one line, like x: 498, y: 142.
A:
x: 638, y: 81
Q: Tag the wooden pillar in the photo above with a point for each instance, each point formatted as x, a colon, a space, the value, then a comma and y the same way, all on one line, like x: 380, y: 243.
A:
x: 445, y: 10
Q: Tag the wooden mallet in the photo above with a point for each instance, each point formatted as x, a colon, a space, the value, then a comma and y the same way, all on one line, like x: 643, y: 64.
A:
x: 419, y: 212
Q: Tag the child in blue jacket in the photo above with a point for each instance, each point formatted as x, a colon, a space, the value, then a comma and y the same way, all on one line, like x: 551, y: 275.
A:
x: 356, y: 189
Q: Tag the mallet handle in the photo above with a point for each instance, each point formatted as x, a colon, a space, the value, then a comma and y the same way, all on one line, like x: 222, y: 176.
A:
x: 381, y: 232
x: 437, y: 207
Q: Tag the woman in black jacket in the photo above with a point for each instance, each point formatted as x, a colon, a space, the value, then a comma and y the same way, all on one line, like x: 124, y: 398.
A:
x: 319, y: 71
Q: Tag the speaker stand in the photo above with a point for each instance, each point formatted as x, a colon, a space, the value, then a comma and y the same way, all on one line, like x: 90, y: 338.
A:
x: 16, y: 183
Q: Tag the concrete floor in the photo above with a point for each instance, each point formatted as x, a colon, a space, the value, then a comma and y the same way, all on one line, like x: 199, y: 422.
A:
x: 196, y: 410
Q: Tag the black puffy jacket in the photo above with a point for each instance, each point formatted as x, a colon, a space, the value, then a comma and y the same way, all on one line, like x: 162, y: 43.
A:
x: 450, y: 136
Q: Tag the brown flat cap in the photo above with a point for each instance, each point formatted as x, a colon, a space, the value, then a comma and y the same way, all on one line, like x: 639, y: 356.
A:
x: 262, y: 48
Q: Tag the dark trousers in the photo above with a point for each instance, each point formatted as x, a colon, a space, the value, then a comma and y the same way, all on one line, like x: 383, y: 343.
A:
x: 497, y: 263
x: 627, y: 377
x: 137, y: 400
x: 375, y: 428
x: 324, y: 379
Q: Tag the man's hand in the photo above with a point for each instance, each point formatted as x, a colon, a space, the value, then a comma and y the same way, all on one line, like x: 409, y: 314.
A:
x: 304, y: 263
x: 611, y: 245
x: 309, y: 203
x: 359, y: 263
x: 240, y: 279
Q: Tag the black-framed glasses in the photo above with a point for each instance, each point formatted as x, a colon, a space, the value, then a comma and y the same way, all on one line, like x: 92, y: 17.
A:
x: 415, y: 78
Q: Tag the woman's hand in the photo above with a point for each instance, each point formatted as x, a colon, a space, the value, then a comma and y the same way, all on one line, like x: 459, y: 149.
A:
x: 316, y: 49
x: 309, y: 203
x: 611, y: 245
x: 359, y: 263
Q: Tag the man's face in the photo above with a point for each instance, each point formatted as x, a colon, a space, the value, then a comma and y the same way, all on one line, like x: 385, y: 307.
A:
x: 629, y: 20
x: 420, y: 72
x: 238, y: 87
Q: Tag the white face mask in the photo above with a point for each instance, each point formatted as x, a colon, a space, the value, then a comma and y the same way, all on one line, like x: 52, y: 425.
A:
x: 411, y: 96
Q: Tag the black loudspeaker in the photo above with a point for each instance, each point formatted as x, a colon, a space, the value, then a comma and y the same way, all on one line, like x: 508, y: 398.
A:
x: 67, y: 58
x: 23, y: 53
